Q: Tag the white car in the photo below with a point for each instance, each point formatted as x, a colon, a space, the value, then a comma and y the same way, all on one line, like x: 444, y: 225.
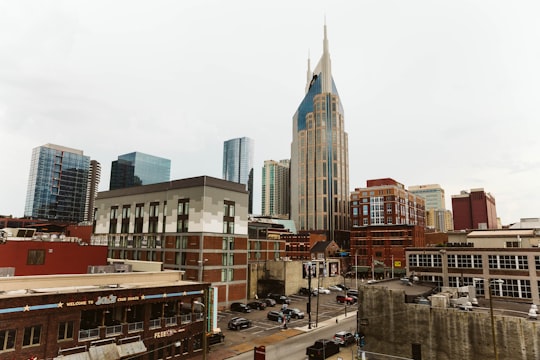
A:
x: 334, y: 288
x: 322, y: 290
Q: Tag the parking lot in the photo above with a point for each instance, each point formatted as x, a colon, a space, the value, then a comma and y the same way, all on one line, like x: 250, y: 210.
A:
x: 323, y: 307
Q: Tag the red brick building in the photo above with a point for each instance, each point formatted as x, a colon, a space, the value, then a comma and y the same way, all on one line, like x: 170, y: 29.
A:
x: 102, y: 316
x: 51, y: 255
x: 474, y: 210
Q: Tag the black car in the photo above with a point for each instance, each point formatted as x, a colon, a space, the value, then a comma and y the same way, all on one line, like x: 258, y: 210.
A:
x: 216, y: 338
x: 240, y: 307
x: 305, y: 291
x: 237, y: 323
x: 280, y: 299
x: 259, y: 305
x: 293, y: 313
x: 274, y: 315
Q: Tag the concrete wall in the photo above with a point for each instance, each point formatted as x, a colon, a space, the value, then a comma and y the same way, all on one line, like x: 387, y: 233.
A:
x: 444, y: 334
x: 287, y: 272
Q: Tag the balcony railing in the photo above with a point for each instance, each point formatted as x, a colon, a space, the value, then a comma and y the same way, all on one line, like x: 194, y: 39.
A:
x: 89, y: 334
x: 185, y: 318
x: 199, y: 316
x: 171, y: 321
x: 113, y: 330
x: 155, y: 323
x: 136, y: 326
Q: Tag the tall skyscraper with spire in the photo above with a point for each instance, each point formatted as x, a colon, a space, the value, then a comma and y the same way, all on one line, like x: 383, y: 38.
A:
x: 320, y: 154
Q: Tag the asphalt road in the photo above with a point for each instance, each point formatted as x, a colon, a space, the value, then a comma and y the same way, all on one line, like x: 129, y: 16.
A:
x: 294, y: 348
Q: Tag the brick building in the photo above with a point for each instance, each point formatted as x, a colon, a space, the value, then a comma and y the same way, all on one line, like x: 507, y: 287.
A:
x: 101, y: 316
x: 197, y: 225
x: 474, y: 210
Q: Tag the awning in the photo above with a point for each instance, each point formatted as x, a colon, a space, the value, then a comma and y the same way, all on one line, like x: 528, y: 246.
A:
x: 109, y: 352
x: 78, y: 356
x: 131, y: 348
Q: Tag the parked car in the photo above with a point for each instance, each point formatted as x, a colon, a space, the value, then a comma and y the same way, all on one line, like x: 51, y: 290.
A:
x: 240, y: 307
x: 270, y: 302
x: 237, y: 323
x: 352, y: 292
x: 259, y: 305
x: 345, y: 299
x: 344, y: 338
x: 342, y: 287
x: 215, y: 338
x: 280, y: 299
x: 334, y: 288
x: 322, y: 290
x: 274, y: 315
x: 293, y: 313
x: 305, y: 291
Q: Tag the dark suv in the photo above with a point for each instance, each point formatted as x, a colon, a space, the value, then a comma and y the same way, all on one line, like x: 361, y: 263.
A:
x: 280, y: 299
x: 237, y: 323
x: 240, y: 307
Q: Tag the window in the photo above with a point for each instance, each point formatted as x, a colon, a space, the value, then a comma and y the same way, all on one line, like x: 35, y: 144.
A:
x: 32, y: 335
x: 126, y: 213
x: 139, y: 217
x: 7, y: 339
x: 114, y: 220
x: 228, y: 243
x: 65, y: 330
x: 182, y: 220
x: 228, y: 217
x: 36, y: 257
x: 153, y: 217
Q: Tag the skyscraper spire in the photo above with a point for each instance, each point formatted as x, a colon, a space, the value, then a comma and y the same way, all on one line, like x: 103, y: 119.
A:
x: 309, y: 74
x: 326, y: 66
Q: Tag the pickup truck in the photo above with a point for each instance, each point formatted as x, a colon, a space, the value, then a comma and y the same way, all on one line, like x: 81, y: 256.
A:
x: 322, y: 349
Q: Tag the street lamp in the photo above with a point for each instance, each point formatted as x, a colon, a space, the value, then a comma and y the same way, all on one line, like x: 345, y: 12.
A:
x: 205, y: 325
x: 499, y: 281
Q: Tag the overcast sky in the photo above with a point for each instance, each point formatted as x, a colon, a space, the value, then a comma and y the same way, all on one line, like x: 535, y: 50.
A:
x: 434, y: 92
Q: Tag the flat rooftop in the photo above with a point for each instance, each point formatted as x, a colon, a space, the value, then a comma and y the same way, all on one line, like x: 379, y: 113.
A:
x: 17, y: 286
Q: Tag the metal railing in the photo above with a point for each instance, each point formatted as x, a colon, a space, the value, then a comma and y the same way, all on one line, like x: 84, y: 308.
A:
x: 113, y: 330
x: 171, y: 321
x: 185, y: 318
x: 89, y: 334
x: 136, y: 326
x: 154, y: 323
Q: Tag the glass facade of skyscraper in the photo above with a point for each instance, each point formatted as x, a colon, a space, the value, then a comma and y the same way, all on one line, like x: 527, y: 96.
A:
x: 238, y: 164
x: 57, y: 185
x: 139, y: 169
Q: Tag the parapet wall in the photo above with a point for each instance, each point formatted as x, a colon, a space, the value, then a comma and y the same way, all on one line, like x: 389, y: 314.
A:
x: 442, y: 333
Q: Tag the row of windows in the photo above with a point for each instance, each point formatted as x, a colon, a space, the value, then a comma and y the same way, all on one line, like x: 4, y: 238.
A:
x: 182, y: 220
x: 31, y: 337
x: 511, y: 262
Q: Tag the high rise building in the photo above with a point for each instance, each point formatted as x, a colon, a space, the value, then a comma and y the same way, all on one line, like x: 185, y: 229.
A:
x: 58, y: 184
x: 320, y: 155
x: 474, y: 210
x: 275, y: 189
x: 238, y: 164
x: 94, y: 176
x: 437, y: 217
x: 137, y: 168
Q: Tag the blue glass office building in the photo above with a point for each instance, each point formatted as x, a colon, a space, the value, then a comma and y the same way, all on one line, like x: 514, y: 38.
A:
x: 58, y: 184
x: 137, y: 168
x: 238, y: 164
